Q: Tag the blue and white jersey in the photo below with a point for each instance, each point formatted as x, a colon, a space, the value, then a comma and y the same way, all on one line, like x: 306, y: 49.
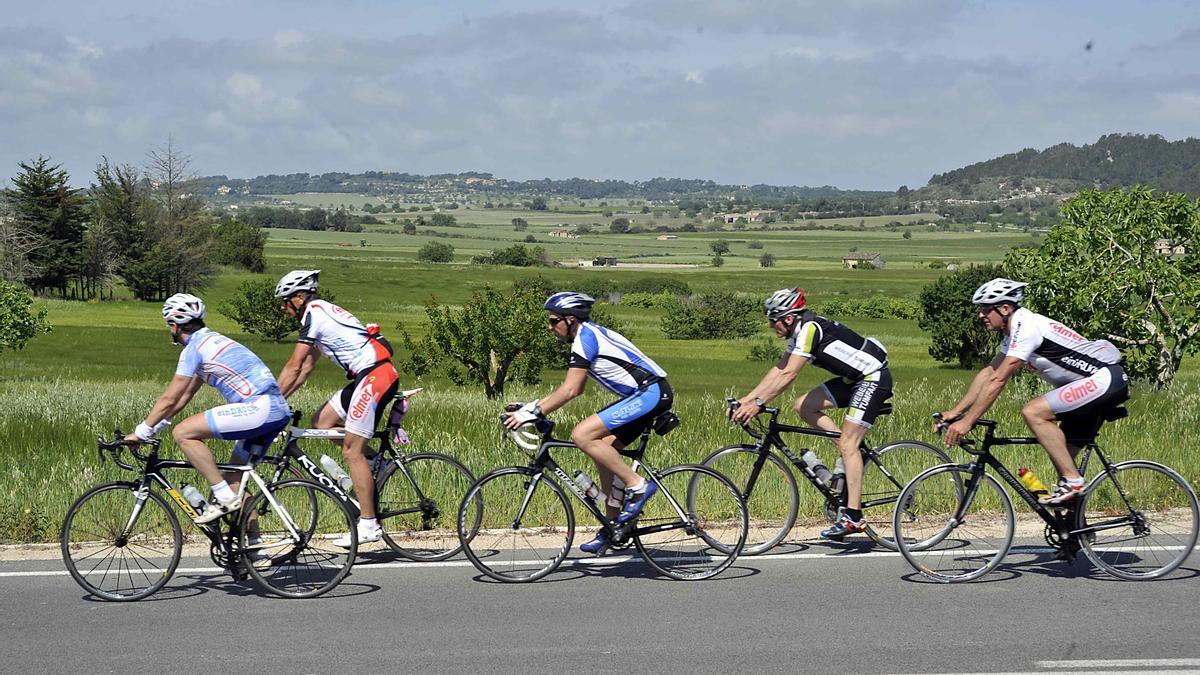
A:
x: 611, y: 360
x: 229, y: 367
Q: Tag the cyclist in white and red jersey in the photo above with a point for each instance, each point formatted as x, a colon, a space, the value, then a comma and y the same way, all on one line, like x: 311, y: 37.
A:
x: 361, y: 351
x: 862, y: 384
x: 611, y: 360
x: 1087, y: 375
x: 256, y: 411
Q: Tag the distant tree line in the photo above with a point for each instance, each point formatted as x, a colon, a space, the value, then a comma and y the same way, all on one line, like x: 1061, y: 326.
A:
x: 143, y: 229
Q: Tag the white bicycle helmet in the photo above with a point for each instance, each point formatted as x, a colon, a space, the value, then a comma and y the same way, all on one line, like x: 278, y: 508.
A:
x: 296, y: 281
x: 1000, y: 290
x: 783, y: 302
x: 182, y: 308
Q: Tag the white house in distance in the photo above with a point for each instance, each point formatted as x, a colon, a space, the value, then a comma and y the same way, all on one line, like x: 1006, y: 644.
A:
x: 751, y: 216
x: 853, y: 260
x: 564, y: 234
x: 667, y: 237
x: 1168, y: 247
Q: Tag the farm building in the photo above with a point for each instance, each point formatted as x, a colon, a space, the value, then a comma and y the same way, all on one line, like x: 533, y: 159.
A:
x: 854, y: 260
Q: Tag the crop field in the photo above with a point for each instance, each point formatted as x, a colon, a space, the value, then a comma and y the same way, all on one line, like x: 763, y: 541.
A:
x: 105, y: 363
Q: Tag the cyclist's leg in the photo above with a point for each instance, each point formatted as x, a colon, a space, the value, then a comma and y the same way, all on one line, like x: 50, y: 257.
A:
x: 812, y: 406
x: 190, y: 435
x: 866, y: 399
x: 1078, y: 405
x: 373, y: 390
x: 597, y: 442
x: 1043, y: 423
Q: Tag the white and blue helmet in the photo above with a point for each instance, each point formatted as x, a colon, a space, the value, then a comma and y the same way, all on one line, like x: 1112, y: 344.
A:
x: 183, y: 308
x: 296, y: 281
x: 569, y: 303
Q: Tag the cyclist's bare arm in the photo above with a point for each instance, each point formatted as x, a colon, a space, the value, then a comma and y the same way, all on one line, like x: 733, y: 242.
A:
x: 571, y: 387
x: 989, y: 390
x: 297, y: 369
x: 981, y: 378
x: 776, y: 381
x: 176, y: 397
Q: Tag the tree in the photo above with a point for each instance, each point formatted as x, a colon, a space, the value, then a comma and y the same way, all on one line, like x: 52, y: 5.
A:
x: 19, y: 323
x: 538, y: 204
x: 256, y: 309
x: 240, y: 244
x: 520, y: 224
x: 907, y: 234
x: 494, y: 337
x: 16, y: 244
x: 443, y: 220
x: 766, y: 260
x: 42, y: 203
x: 1101, y: 272
x: 717, y: 261
x: 436, y: 252
x: 719, y: 247
x: 619, y: 225
x: 409, y: 227
x: 339, y: 221
x: 953, y: 321
x: 721, y: 315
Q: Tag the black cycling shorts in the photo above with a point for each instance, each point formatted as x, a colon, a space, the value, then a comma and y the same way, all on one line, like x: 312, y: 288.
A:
x: 864, y: 398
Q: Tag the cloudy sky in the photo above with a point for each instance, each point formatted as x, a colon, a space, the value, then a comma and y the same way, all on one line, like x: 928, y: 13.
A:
x: 853, y: 93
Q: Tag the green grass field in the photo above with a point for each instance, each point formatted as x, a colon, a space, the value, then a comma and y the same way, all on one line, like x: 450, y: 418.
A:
x: 105, y: 363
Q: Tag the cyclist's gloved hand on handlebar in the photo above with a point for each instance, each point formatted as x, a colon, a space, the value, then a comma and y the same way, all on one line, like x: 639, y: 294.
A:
x: 133, y: 438
x: 529, y: 412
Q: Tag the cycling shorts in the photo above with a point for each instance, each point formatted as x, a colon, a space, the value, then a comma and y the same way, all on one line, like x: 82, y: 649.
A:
x: 630, y: 416
x: 254, y: 424
x: 1080, y: 405
x: 366, y: 398
x: 864, y: 397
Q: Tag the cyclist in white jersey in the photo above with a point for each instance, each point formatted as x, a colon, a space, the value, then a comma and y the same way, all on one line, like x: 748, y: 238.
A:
x: 256, y: 411
x: 862, y: 384
x: 1087, y: 375
x: 614, y: 363
x: 365, y: 356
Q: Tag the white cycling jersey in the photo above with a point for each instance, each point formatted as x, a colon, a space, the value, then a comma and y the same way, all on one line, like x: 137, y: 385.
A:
x: 1059, y: 354
x: 612, y: 360
x: 339, y: 335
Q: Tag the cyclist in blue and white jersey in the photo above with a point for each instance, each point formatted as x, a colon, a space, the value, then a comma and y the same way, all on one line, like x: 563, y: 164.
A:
x: 1087, y: 375
x: 614, y: 363
x: 862, y: 384
x: 256, y: 411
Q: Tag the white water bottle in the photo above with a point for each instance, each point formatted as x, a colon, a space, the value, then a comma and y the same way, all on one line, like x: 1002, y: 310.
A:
x: 335, y: 471
x: 814, y: 465
x: 589, y: 488
x: 616, y: 493
x: 839, y: 475
x: 193, y: 497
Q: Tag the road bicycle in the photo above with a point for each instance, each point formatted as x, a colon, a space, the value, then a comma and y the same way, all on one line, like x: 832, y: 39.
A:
x: 122, y: 541
x: 417, y: 495
x: 516, y: 524
x: 768, y: 484
x: 1135, y: 520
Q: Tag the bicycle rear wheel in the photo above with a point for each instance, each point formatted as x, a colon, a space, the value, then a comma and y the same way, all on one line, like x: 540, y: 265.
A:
x: 696, y: 537
x: 942, y: 545
x: 418, y: 505
x: 297, y: 530
x: 772, y: 502
x: 114, y: 555
x: 1146, y: 518
x: 515, y: 525
x: 885, y: 476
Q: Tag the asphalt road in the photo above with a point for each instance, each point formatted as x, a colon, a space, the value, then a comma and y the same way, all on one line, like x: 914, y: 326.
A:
x: 813, y: 607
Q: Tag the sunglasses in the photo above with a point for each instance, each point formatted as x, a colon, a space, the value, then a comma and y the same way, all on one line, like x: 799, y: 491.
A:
x: 555, y: 320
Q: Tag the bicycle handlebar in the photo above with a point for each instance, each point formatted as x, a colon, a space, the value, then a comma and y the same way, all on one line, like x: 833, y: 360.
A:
x: 756, y: 432
x: 115, y: 446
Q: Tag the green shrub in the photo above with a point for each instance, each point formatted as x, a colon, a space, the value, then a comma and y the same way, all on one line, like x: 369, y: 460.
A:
x: 721, y: 315
x: 766, y: 349
x: 436, y: 252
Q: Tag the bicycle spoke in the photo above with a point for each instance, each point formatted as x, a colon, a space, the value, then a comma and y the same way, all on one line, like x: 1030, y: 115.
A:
x: 508, y: 551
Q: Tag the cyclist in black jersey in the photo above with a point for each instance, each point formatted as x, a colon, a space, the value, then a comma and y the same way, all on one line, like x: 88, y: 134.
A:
x: 862, y: 385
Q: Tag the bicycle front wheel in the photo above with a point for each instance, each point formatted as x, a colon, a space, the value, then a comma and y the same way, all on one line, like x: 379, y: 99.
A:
x: 772, y: 498
x: 116, y: 549
x: 1141, y: 520
x: 418, y: 504
x: 951, y: 536
x: 297, y: 522
x: 696, y: 537
x: 515, y: 525
x: 884, y: 476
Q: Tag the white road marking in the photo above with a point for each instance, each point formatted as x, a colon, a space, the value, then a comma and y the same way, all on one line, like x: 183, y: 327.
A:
x: 1153, y: 669
x: 1120, y: 663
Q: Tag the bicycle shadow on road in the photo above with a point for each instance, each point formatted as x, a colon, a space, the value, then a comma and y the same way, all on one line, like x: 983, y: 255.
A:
x: 574, y: 569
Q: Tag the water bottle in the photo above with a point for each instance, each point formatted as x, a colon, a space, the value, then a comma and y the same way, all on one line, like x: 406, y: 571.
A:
x: 334, y: 471
x: 838, y: 482
x: 1031, y: 481
x: 193, y: 497
x: 815, y: 466
x: 584, y: 482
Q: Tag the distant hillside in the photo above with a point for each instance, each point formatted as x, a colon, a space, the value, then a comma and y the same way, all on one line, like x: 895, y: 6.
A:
x: 1115, y: 160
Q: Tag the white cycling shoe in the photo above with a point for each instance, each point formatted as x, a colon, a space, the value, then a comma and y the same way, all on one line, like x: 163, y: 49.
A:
x: 366, y: 535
